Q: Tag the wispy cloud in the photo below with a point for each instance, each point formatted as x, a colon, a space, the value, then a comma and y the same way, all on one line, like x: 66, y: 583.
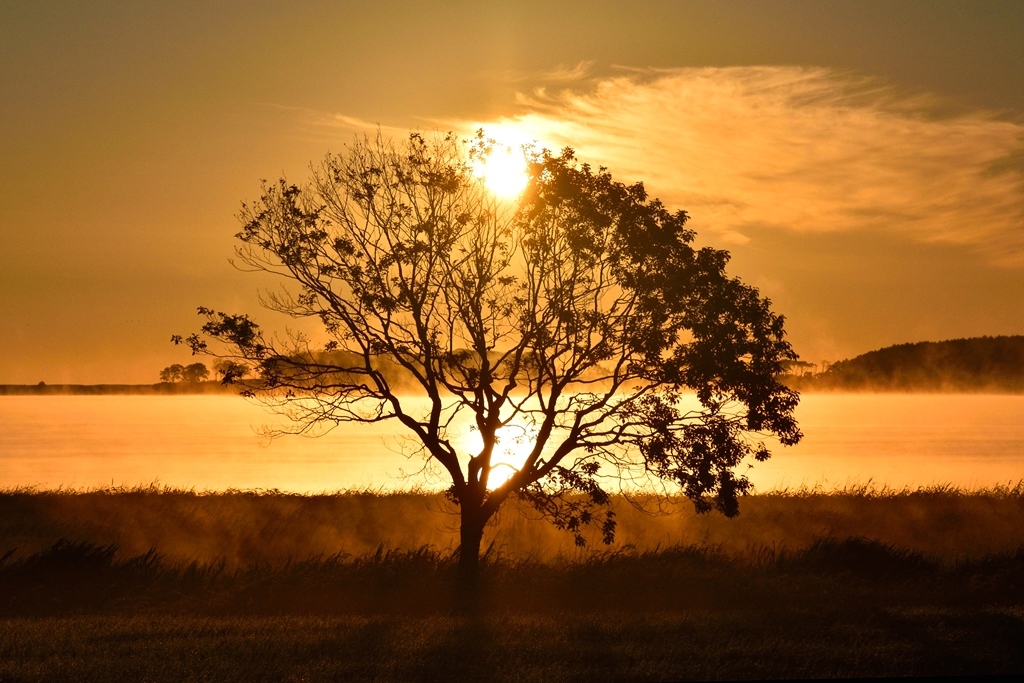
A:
x: 567, y: 74
x: 327, y: 127
x: 792, y: 148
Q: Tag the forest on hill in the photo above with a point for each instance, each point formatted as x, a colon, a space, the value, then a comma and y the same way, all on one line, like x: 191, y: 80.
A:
x: 978, y: 364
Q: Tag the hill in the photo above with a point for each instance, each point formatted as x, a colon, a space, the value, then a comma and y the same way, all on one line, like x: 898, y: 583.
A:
x: 978, y: 364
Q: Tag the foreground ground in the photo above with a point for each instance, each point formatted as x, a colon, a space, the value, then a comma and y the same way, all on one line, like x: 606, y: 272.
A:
x: 80, y: 609
x: 550, y: 647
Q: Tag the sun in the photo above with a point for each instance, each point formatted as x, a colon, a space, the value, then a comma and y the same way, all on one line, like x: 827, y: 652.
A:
x: 503, y: 170
x: 515, y: 443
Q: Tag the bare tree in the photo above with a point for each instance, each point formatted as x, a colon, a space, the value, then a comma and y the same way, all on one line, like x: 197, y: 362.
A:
x: 577, y: 316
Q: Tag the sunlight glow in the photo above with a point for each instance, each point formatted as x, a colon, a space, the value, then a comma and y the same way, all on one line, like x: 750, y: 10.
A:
x: 514, y: 445
x: 769, y: 131
x: 503, y: 171
x: 515, y: 441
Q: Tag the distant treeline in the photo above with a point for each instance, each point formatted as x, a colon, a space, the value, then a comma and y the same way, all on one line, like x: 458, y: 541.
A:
x: 43, y: 389
x: 966, y: 365
x: 978, y: 364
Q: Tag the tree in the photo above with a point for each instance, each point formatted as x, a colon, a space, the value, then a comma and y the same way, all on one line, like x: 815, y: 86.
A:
x: 229, y: 370
x: 576, y: 318
x: 195, y: 372
x: 172, y: 373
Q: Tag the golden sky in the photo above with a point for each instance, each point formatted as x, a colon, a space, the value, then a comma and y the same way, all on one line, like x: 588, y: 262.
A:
x: 863, y: 161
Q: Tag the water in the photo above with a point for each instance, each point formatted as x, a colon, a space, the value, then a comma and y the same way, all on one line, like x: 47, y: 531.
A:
x: 211, y: 443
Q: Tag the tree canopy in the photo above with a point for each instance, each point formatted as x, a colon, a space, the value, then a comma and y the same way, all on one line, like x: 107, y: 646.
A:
x: 579, y: 317
x: 190, y: 374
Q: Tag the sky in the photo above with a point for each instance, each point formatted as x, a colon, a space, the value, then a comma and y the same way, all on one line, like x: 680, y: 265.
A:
x: 863, y: 161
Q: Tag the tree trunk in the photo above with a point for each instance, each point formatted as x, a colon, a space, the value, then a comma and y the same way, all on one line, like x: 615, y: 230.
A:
x: 471, y: 534
x: 467, y: 589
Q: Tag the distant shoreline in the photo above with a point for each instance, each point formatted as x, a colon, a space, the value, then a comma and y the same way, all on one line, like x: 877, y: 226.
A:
x: 209, y: 388
x: 162, y: 388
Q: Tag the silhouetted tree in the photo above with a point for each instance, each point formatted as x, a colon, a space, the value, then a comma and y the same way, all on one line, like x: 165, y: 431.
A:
x: 575, y: 317
x: 195, y: 372
x: 797, y: 368
x: 172, y: 373
x: 229, y: 370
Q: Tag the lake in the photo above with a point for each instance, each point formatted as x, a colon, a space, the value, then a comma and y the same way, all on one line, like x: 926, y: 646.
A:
x: 211, y: 443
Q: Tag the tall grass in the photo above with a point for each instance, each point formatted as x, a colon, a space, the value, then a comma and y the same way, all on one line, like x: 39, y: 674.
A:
x: 242, y: 528
x: 83, y: 578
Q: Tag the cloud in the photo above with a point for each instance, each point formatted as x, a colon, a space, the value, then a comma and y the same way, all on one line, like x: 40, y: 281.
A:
x: 790, y: 148
x: 326, y: 127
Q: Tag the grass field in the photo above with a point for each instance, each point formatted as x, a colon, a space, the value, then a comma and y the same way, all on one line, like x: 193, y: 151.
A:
x: 359, y: 586
x: 244, y: 528
x: 549, y: 647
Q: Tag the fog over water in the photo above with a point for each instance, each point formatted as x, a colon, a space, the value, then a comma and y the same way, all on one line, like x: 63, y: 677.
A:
x: 212, y: 443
